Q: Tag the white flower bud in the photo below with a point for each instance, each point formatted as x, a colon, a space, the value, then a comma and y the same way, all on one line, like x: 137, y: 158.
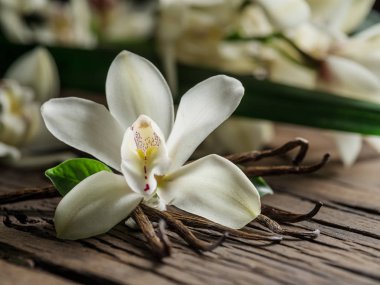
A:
x: 37, y: 70
x: 19, y: 117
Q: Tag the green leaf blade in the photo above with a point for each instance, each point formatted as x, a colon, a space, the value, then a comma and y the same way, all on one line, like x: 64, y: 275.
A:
x: 69, y: 173
x: 262, y: 186
x: 281, y: 103
x: 288, y: 104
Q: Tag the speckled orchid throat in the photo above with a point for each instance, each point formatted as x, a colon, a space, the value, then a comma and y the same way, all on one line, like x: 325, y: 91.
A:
x: 144, y: 155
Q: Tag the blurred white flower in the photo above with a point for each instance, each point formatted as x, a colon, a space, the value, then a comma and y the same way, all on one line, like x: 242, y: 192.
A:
x: 37, y: 70
x: 119, y: 21
x: 19, y: 117
x: 65, y: 23
x: 346, y: 66
x: 31, y: 80
x: 194, y: 32
x: 353, y: 70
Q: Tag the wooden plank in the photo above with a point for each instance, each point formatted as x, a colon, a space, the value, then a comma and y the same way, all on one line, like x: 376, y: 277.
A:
x: 16, y: 275
x: 317, y: 188
x: 290, y: 257
x: 347, y: 252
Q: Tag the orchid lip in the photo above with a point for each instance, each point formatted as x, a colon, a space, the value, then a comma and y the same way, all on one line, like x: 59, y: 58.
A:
x: 144, y: 155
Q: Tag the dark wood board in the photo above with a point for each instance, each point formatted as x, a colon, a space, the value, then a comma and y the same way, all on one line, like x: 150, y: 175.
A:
x: 347, y: 252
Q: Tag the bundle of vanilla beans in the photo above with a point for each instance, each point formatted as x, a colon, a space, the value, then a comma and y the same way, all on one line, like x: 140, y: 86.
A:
x: 154, y: 223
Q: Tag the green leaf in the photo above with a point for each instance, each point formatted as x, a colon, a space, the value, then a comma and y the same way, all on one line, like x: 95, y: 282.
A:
x: 293, y: 105
x: 262, y: 186
x: 69, y: 173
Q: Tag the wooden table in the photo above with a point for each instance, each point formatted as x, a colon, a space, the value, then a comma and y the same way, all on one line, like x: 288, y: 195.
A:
x: 347, y: 252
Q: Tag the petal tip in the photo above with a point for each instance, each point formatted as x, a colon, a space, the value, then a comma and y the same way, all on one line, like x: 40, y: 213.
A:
x: 233, y: 83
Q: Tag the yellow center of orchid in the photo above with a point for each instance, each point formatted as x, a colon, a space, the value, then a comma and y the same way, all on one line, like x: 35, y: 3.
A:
x: 147, y: 143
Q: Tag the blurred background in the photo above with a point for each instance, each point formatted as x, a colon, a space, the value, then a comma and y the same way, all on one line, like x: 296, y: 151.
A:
x: 305, y: 62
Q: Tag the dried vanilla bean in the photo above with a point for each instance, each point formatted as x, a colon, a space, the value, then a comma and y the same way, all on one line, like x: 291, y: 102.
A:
x: 157, y: 244
x: 281, y: 216
x: 284, y: 169
x: 199, y: 222
x: 258, y: 155
x: 183, y: 231
x: 28, y: 194
x: 163, y: 236
x: 273, y: 226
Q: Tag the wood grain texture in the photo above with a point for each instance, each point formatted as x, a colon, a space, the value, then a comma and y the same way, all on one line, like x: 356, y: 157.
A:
x: 347, y: 252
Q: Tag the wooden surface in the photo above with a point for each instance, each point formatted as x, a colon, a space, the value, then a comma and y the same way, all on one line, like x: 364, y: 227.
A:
x: 347, y: 252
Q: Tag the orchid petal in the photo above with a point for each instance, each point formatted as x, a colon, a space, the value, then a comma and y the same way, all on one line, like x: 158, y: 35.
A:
x: 349, y: 78
x: 37, y: 70
x: 134, y: 86
x: 341, y: 14
x: 85, y: 125
x: 357, y: 13
x: 12, y: 129
x: 374, y: 142
x: 370, y: 34
x: 9, y: 152
x: 13, y: 27
x: 201, y: 110
x: 144, y: 155
x: 311, y: 39
x: 94, y: 206
x: 286, y: 13
x: 349, y: 146
x: 214, y: 188
x: 239, y: 134
x: 286, y: 71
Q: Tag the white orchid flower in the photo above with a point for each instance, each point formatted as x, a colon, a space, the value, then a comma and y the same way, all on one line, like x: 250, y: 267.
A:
x: 29, y: 81
x: 138, y: 137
